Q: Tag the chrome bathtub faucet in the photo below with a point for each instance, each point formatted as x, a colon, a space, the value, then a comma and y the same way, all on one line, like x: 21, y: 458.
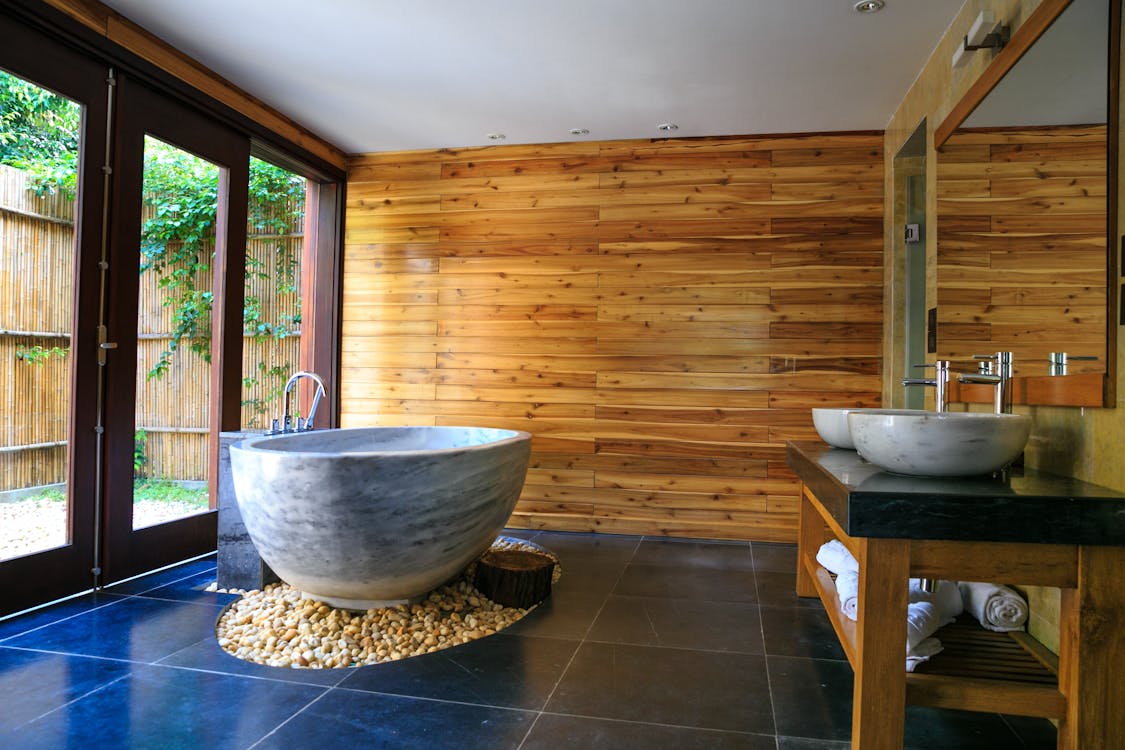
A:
x: 287, y: 423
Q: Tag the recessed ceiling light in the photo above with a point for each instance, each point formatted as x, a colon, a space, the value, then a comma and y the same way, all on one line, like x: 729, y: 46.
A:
x: 496, y: 136
x: 870, y: 6
x: 580, y: 131
x: 667, y: 127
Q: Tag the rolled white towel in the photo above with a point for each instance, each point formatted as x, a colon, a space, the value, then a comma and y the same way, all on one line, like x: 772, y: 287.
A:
x: 996, y: 607
x: 925, y: 648
x: 946, y: 595
x: 922, y: 620
x: 847, y: 590
x: 835, y: 557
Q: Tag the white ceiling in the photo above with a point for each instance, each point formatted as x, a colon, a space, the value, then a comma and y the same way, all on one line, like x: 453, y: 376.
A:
x: 386, y: 75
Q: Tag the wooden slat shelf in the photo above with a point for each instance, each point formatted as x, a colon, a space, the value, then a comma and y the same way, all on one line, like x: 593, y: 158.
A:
x: 1011, y: 663
x: 971, y: 651
x: 977, y: 670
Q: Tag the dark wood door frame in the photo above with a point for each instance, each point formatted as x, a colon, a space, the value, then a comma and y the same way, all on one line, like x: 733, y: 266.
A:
x: 45, y: 46
x: 141, y: 111
x: 55, y: 573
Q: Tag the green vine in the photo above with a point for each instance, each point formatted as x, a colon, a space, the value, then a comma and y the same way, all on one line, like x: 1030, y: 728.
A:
x: 39, y: 134
x: 273, y: 377
x: 176, y: 244
x: 38, y: 355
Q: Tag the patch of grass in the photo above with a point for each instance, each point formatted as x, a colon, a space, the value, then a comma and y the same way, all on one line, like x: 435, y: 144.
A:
x: 163, y: 491
x: 49, y: 494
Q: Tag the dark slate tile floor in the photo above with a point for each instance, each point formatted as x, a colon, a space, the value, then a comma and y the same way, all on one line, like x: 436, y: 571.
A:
x: 645, y: 643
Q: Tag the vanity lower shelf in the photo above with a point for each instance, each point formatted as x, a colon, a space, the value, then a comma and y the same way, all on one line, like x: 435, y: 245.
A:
x: 1028, y: 529
x: 977, y: 670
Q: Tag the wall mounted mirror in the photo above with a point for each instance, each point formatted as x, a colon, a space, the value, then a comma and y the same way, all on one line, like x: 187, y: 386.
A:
x: 1022, y: 213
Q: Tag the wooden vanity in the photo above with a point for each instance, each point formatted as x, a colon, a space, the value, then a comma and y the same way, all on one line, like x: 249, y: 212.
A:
x: 1031, y: 528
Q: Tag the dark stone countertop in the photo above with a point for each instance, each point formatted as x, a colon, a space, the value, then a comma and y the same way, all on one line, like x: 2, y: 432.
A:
x: 1028, y: 506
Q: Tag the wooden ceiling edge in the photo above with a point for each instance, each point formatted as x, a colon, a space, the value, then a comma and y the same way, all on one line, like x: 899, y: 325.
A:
x: 146, y: 45
x: 1022, y: 39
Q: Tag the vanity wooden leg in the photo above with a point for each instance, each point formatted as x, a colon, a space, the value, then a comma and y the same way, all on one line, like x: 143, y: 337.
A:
x: 1092, y: 652
x: 810, y: 536
x: 879, y: 696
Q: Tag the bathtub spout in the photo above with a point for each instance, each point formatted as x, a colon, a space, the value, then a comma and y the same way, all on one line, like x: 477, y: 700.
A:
x: 288, y: 424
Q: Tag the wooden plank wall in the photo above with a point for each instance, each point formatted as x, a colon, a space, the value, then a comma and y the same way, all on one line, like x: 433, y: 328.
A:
x: 660, y: 315
x: 1021, y: 245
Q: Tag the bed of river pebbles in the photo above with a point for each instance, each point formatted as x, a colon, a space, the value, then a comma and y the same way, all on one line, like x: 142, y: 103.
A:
x: 279, y: 628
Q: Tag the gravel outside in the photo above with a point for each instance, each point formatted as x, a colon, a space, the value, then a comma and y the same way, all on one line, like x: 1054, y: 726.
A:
x: 37, y: 524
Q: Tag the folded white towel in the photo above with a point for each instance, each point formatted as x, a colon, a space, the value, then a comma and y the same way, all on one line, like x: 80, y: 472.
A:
x: 847, y: 590
x: 996, y: 607
x: 946, y: 596
x: 922, y: 620
x: 926, y: 648
x: 835, y: 557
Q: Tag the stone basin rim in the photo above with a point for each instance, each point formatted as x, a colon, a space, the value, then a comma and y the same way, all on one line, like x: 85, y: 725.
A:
x: 260, y: 443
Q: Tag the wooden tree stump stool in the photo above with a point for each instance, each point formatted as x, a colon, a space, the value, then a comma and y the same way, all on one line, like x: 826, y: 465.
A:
x: 514, y: 578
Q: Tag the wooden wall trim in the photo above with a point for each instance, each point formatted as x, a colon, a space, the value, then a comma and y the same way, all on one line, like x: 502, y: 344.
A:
x: 119, y: 29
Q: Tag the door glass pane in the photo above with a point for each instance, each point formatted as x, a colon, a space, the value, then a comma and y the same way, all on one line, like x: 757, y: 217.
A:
x: 272, y: 334
x: 39, y: 136
x: 170, y: 457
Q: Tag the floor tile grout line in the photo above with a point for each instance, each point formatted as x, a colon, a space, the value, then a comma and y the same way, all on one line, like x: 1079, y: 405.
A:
x: 76, y: 654
x: 109, y: 589
x: 430, y: 699
x: 198, y: 603
x: 666, y: 725
x: 732, y: 652
x: 294, y: 715
x: 765, y: 656
x: 584, y: 639
x: 530, y: 730
x: 71, y: 702
x: 121, y: 597
x: 162, y: 663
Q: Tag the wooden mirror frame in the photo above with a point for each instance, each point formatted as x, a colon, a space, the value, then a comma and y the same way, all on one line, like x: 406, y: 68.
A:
x: 1092, y: 389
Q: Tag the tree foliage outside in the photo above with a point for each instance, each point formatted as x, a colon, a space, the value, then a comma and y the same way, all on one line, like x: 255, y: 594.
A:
x: 39, y: 134
x: 177, y: 240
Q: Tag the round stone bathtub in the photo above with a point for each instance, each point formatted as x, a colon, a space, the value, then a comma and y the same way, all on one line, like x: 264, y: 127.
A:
x: 373, y: 516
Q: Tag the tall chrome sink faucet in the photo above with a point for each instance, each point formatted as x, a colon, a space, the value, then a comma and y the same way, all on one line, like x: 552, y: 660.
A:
x: 940, y: 382
x: 287, y: 422
x: 995, y: 370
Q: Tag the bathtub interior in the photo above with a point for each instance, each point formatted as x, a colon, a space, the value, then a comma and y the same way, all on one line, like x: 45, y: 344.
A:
x: 365, y: 440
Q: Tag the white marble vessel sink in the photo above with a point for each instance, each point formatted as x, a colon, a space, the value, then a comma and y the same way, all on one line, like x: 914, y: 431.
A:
x: 950, y: 444
x: 832, y: 424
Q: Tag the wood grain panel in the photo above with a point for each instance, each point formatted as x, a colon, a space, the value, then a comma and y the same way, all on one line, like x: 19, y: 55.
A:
x: 660, y: 315
x: 1021, y: 257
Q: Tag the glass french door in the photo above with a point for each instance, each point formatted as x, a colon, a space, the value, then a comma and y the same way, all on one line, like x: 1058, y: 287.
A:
x: 53, y: 109
x: 178, y: 224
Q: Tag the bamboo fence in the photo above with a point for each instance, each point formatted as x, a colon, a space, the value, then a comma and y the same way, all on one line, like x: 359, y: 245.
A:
x: 36, y: 294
